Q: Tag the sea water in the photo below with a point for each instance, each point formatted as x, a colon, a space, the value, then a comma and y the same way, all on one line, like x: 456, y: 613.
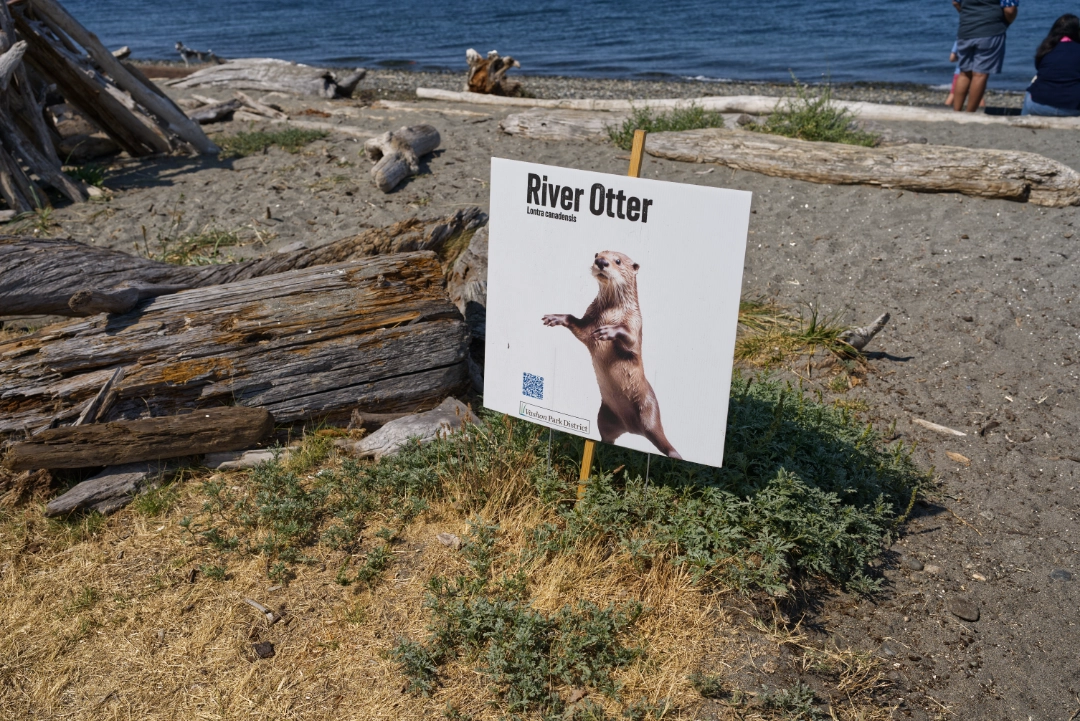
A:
x: 872, y: 41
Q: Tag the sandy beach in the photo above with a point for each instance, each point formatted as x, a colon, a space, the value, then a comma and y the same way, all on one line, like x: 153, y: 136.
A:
x: 983, y: 339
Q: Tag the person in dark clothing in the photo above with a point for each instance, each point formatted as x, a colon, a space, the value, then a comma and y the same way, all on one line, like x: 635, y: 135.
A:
x: 980, y: 43
x: 1056, y: 89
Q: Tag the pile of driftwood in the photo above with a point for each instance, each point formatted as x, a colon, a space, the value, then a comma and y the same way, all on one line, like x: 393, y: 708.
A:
x: 168, y: 361
x: 47, y: 57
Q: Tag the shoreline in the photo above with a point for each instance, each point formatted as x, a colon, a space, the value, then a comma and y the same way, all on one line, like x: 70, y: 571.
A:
x: 392, y: 82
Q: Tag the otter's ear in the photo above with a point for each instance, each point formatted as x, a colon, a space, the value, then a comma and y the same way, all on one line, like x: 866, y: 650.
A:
x: 597, y: 255
x: 636, y: 266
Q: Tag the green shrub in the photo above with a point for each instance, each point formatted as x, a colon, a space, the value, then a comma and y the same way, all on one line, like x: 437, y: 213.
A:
x: 524, y: 652
x: 91, y: 174
x: 244, y: 144
x: 809, y: 117
x: 691, y: 117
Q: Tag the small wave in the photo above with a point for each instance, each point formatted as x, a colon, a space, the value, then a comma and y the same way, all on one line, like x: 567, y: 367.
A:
x: 707, y: 79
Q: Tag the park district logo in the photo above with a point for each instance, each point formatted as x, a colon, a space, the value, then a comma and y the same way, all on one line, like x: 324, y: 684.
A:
x: 553, y: 418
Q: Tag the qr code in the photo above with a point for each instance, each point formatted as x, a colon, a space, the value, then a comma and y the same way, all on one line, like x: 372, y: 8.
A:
x: 532, y: 386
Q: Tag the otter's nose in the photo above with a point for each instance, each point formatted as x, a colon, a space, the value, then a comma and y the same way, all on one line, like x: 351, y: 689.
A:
x: 601, y: 263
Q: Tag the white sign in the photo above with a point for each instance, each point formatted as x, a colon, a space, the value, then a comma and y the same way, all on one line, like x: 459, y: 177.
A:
x: 612, y: 306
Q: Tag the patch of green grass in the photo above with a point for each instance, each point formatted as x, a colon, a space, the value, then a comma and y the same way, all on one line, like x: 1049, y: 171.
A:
x: 771, y: 335
x: 84, y: 599
x: 213, y: 572
x: 795, y: 703
x: 157, y: 501
x: 525, y: 653
x: 37, y: 222
x: 645, y: 118
x: 205, y: 247
x: 244, y: 144
x: 91, y: 174
x: 708, y: 685
x: 814, y: 117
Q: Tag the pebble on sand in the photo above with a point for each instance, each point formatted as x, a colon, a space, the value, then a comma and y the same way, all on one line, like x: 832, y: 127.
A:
x: 913, y: 563
x: 964, y: 609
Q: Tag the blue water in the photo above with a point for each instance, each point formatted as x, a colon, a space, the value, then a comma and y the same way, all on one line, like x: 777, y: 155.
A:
x: 854, y: 40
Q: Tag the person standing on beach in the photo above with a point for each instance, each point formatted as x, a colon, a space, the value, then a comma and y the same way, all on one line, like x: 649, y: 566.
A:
x: 980, y: 44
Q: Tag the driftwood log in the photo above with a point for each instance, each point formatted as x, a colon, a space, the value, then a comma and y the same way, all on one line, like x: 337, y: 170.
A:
x: 1009, y: 174
x: 151, y: 439
x: 576, y: 125
x: 108, y: 491
x: 378, y: 334
x: 756, y: 105
x: 274, y: 75
x: 36, y: 277
x: 487, y: 75
x: 216, y: 112
x: 449, y: 416
x: 397, y: 154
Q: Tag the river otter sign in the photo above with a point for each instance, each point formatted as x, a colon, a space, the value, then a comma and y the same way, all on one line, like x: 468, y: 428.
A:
x: 612, y: 306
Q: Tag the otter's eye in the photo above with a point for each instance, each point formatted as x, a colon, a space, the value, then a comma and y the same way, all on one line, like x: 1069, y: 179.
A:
x: 618, y: 262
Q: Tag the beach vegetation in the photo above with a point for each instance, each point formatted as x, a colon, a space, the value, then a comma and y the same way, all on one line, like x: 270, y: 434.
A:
x: 690, y: 117
x: 812, y: 115
x: 90, y: 173
x: 770, y: 334
x: 204, y: 247
x: 617, y: 594
x: 291, y: 140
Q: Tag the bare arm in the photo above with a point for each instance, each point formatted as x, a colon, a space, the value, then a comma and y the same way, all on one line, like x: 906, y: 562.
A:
x: 956, y: 5
x: 1010, y: 14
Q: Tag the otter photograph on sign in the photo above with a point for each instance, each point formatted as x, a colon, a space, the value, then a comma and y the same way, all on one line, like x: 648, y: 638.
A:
x: 612, y: 306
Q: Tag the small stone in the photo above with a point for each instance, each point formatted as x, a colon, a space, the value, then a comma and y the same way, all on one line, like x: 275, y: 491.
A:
x: 274, y: 588
x: 964, y: 609
x: 978, y: 577
x: 263, y: 649
x: 1060, y: 574
x: 932, y: 569
x: 887, y: 649
x: 449, y: 540
x: 912, y: 563
x: 967, y: 318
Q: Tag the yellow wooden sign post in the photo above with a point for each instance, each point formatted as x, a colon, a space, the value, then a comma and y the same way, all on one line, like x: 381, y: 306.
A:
x: 637, y: 154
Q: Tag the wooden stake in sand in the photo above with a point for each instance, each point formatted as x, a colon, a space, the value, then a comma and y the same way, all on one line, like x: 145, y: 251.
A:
x: 637, y: 153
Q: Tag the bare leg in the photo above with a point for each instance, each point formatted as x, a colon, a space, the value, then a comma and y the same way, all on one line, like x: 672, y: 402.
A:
x: 978, y: 89
x: 963, y: 82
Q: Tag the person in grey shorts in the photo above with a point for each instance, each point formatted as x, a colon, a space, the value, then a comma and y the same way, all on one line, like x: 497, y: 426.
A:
x: 980, y: 44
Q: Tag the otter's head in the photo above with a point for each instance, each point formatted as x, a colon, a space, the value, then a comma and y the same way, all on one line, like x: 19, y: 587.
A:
x: 615, y: 272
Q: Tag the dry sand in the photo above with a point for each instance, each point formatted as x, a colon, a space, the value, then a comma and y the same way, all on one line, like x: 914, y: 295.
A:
x: 985, y: 330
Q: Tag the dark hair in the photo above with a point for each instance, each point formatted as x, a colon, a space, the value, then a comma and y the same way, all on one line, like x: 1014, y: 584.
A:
x: 1066, y: 26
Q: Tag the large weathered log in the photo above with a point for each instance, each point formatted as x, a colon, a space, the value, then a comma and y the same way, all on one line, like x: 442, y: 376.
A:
x: 488, y: 75
x: 36, y: 277
x: 397, y: 153
x: 449, y: 416
x: 935, y: 168
x: 756, y: 105
x: 575, y: 125
x: 378, y: 334
x: 273, y: 75
x: 38, y: 162
x: 166, y: 111
x: 151, y: 439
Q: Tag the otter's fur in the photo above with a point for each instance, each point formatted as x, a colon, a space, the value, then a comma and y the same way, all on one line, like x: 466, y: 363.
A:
x: 611, y: 330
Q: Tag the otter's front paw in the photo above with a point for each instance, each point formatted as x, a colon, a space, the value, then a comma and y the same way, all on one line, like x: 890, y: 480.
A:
x: 554, y: 320
x: 606, y: 332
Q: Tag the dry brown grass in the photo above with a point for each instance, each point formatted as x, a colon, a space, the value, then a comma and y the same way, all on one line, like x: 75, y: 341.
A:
x: 100, y: 620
